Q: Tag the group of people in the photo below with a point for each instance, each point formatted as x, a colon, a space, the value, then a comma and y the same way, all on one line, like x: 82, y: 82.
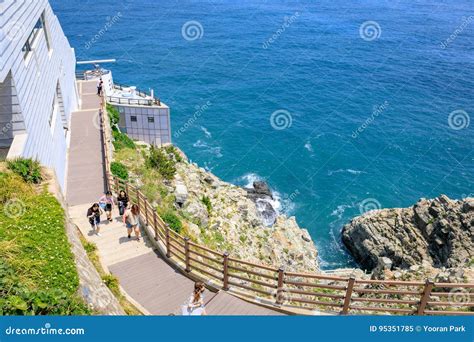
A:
x: 129, y: 214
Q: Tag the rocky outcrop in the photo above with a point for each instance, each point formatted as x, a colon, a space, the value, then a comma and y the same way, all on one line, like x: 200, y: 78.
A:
x: 262, y: 196
x: 437, y: 233
x: 233, y: 223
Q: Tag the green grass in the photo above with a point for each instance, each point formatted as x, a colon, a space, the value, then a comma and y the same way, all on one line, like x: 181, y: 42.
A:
x: 122, y: 140
x: 114, y: 115
x: 173, y: 220
x: 207, y: 202
x: 37, y: 270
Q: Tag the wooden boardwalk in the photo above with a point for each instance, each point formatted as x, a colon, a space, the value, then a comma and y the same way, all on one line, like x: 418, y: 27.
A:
x: 143, y: 273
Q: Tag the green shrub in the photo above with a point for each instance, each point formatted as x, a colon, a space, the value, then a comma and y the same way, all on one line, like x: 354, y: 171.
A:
x: 18, y: 299
x: 173, y: 221
x: 158, y: 160
x: 207, y: 202
x: 114, y: 115
x: 111, y: 282
x: 170, y: 149
x: 26, y: 168
x: 90, y: 247
x: 122, y: 140
x: 119, y: 170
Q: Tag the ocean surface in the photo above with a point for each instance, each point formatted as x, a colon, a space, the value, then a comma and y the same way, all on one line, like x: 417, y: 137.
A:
x: 341, y: 106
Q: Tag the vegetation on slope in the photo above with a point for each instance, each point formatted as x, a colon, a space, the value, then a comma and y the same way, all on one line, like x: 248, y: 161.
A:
x: 37, y: 271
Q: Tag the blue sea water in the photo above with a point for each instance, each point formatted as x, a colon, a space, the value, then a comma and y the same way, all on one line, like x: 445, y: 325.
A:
x: 369, y: 109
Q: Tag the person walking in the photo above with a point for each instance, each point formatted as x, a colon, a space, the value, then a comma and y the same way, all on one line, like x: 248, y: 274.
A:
x: 195, y: 306
x: 100, y: 85
x: 131, y: 218
x: 122, y: 200
x: 107, y: 203
x: 93, y: 214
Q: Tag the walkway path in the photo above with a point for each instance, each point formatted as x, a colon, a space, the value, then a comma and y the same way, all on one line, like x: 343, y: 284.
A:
x: 142, y: 272
x: 85, y: 180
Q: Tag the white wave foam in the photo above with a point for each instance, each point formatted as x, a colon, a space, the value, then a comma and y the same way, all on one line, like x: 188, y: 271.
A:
x: 308, y: 146
x: 351, y: 171
x: 215, y: 150
x: 339, y: 211
x: 282, y: 204
x: 206, y: 132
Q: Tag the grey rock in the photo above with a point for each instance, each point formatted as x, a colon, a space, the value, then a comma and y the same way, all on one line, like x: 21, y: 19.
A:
x: 181, y: 193
x: 439, y: 232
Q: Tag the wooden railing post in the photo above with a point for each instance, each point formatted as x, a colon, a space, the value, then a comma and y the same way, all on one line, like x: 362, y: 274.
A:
x: 146, y: 213
x: 138, y: 199
x: 425, y: 297
x: 168, y: 246
x: 280, y: 289
x: 187, y: 254
x: 226, y: 271
x: 348, y: 296
x: 155, y: 225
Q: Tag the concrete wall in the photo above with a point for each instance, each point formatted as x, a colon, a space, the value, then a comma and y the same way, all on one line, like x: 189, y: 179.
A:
x: 157, y: 132
x: 34, y: 81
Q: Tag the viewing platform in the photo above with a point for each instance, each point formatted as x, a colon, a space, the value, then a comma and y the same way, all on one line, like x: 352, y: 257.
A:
x: 131, y: 95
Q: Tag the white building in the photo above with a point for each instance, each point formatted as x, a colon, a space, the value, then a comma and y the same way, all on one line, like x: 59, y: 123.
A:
x: 37, y: 84
x: 142, y: 116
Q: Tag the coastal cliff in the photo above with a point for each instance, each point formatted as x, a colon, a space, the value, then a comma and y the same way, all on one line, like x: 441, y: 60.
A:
x: 434, y: 237
x: 217, y: 214
x: 229, y: 218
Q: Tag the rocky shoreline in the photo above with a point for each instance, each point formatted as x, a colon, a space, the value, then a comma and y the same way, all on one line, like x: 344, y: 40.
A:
x: 432, y: 239
x: 241, y: 221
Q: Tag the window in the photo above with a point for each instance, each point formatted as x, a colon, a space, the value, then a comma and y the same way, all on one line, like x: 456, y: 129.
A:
x: 52, y: 115
x: 45, y: 29
x: 40, y: 25
x: 151, y: 119
x: 133, y: 118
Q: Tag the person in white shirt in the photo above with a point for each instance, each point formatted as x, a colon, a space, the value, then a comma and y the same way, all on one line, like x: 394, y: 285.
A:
x: 195, y: 306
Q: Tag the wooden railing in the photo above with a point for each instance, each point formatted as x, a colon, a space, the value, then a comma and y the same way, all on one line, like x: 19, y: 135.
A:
x: 292, y: 291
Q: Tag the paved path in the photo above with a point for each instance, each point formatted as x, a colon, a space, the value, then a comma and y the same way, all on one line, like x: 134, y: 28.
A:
x: 85, y: 182
x: 142, y: 272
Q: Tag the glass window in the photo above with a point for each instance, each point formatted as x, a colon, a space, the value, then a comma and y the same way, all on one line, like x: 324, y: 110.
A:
x: 133, y: 118
x: 28, y: 47
x: 151, y: 119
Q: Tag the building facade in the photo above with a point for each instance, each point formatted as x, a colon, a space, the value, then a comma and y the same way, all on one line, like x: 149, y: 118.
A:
x: 142, y: 116
x: 37, y: 85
